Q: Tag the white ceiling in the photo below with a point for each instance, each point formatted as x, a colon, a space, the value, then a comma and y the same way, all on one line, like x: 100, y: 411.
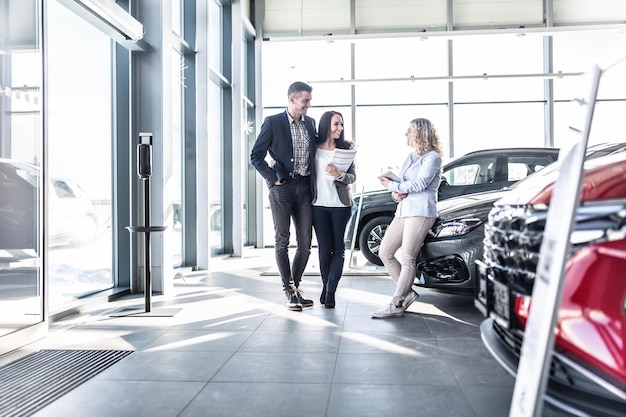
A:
x: 290, y: 18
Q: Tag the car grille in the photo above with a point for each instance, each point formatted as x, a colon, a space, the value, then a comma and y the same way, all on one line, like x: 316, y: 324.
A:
x: 513, y: 237
x: 511, y: 247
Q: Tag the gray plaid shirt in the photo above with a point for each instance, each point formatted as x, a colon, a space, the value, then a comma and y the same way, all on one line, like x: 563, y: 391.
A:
x: 301, y: 145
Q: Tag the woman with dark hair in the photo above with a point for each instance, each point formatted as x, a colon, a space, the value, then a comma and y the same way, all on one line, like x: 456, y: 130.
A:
x: 332, y: 203
x: 416, y: 194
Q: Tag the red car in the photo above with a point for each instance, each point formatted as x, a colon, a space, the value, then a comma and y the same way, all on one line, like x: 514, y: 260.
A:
x: 588, y: 369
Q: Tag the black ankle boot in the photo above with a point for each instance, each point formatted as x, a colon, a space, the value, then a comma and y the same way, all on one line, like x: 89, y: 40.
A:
x: 330, y: 300
x: 323, y: 296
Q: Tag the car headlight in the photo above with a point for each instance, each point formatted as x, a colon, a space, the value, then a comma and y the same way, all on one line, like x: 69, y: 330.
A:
x: 454, y: 227
x: 595, y: 223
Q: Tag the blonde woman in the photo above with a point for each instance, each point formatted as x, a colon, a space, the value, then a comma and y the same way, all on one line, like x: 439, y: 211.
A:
x: 416, y: 195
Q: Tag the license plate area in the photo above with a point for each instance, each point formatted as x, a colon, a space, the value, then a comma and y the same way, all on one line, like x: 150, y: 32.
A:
x: 501, y: 303
x: 481, y: 299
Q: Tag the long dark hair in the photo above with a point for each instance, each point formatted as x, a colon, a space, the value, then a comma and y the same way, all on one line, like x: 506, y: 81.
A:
x: 324, y: 130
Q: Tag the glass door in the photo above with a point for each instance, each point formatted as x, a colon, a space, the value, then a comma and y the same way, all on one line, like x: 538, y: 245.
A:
x: 22, y: 189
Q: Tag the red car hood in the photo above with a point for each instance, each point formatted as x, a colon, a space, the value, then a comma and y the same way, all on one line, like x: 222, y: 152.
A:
x: 604, y: 179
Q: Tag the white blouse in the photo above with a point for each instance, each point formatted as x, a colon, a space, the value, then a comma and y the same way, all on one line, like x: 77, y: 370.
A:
x: 326, y: 191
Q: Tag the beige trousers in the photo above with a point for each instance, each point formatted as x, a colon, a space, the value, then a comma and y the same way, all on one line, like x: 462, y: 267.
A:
x: 406, y: 234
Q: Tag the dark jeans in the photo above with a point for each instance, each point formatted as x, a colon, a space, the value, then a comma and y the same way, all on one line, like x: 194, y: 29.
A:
x: 292, y: 200
x: 330, y: 226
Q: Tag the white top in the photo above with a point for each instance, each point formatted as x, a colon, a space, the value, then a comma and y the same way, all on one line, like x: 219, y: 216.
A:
x: 326, y: 191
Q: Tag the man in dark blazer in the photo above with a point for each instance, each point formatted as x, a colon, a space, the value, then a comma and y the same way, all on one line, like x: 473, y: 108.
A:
x: 289, y: 140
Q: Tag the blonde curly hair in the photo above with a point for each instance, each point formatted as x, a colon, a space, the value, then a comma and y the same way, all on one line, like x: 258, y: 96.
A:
x: 424, y: 137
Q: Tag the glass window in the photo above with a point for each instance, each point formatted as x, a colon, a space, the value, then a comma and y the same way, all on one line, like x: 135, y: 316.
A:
x: 475, y: 172
x: 79, y: 157
x: 517, y: 171
x: 521, y: 167
x: 401, y: 58
x: 177, y: 21
x: 173, y: 172
x: 21, y: 139
x: 381, y: 140
x: 216, y: 117
x: 605, y: 126
x: 24, y: 101
x: 484, y: 126
x: 499, y: 92
x: 215, y: 35
x: 215, y: 166
x: 395, y: 93
x: 497, y: 56
x: 286, y: 62
x: 578, y: 52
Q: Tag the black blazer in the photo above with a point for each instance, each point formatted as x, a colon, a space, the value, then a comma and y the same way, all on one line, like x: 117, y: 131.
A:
x: 275, y: 139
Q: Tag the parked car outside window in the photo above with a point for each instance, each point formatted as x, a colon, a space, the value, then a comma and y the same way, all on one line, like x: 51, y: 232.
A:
x: 72, y: 215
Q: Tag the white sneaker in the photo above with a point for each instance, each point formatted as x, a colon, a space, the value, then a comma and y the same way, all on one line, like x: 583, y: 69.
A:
x: 409, y: 299
x: 304, y: 301
x: 390, y: 310
x: 291, y: 300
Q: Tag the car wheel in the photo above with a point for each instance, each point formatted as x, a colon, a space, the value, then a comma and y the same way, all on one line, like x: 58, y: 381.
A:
x: 371, y: 236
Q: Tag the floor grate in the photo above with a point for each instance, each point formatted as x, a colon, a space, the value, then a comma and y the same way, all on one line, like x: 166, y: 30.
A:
x: 31, y: 383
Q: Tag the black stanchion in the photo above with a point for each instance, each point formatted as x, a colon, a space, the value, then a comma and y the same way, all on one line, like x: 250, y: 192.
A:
x: 144, y: 171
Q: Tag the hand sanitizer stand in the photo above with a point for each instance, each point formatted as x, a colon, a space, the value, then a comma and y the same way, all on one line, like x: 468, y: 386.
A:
x: 144, y: 171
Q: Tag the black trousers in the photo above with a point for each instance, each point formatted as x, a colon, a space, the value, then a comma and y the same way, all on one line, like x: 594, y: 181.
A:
x: 292, y: 201
x: 330, y: 226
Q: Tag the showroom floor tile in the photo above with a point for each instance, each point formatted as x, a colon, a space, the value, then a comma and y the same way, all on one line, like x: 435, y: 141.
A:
x: 232, y: 349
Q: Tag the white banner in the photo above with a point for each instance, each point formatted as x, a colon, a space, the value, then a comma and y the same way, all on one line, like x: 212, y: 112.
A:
x: 536, y: 352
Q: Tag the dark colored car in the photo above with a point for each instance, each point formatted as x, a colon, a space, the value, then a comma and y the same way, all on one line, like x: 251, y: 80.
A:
x: 588, y: 367
x: 446, y: 261
x: 72, y: 214
x: 475, y: 172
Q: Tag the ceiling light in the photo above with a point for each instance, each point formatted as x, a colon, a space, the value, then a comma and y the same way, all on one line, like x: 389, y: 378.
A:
x: 453, y: 34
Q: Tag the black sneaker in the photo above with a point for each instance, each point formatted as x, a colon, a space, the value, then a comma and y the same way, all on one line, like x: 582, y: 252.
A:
x: 291, y: 301
x: 329, y: 301
x: 305, y: 302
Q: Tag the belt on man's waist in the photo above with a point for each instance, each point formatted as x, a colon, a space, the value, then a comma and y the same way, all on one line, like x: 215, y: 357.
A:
x: 299, y: 177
